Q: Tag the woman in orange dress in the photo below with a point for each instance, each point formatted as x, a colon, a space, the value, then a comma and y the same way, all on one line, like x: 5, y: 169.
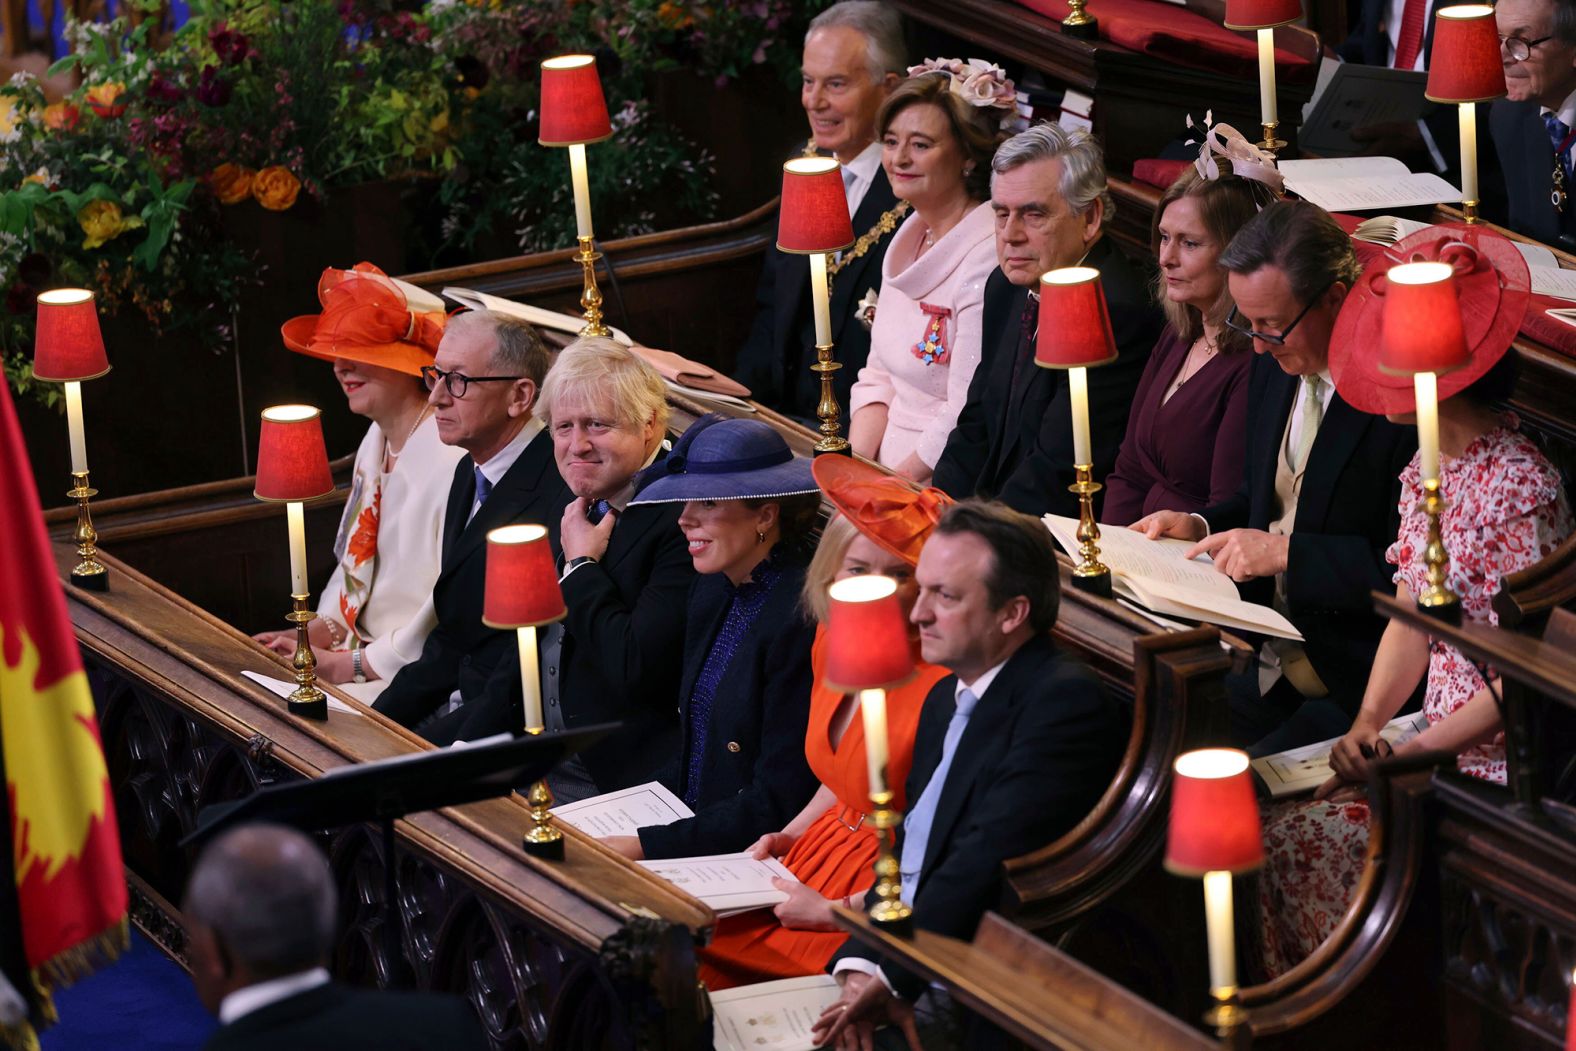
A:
x: 829, y: 846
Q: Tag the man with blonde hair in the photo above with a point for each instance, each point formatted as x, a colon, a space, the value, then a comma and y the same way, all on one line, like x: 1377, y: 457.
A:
x: 617, y: 655
x: 484, y: 384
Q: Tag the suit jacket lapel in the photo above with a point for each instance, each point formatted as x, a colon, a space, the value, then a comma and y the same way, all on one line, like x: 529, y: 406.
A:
x: 1339, y: 433
x: 520, y: 487
x: 1278, y: 394
x: 462, y: 493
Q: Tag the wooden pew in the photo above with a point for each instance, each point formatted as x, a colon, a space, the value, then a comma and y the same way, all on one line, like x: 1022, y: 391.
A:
x: 587, y: 952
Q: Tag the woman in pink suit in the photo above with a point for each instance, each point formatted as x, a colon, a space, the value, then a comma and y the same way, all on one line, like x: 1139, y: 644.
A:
x: 938, y: 132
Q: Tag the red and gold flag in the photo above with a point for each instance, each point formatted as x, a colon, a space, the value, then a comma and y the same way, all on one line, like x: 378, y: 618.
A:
x: 63, y: 902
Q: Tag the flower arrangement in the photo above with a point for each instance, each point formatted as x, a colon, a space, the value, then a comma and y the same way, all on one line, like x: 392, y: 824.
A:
x: 978, y: 82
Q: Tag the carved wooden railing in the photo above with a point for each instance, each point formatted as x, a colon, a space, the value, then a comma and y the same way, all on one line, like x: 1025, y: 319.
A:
x: 587, y: 952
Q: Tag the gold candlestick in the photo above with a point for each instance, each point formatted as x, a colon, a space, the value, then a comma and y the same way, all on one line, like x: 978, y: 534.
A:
x: 89, y: 572
x: 1437, y: 600
x: 1270, y: 141
x: 828, y: 409
x: 1090, y: 574
x: 891, y: 913
x: 543, y: 839
x: 591, y: 296
x: 1226, y: 1016
x: 306, y: 700
x: 1078, y: 23
x: 1469, y: 211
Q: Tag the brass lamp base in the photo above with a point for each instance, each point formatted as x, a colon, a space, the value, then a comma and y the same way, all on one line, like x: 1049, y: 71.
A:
x: 1271, y: 140
x: 891, y: 913
x: 590, y: 295
x: 89, y: 572
x: 543, y: 839
x: 1469, y: 211
x: 1437, y: 600
x: 306, y: 700
x: 1090, y: 574
x: 1080, y: 24
x: 828, y: 409
x: 1227, y: 1016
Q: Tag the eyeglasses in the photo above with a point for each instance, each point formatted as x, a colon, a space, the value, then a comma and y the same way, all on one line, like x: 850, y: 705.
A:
x: 1234, y: 322
x: 1520, y: 50
x: 457, y: 382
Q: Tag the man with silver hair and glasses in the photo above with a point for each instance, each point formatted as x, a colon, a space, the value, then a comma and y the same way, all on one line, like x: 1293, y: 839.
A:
x: 260, y: 919
x: 1013, y: 440
x: 854, y: 56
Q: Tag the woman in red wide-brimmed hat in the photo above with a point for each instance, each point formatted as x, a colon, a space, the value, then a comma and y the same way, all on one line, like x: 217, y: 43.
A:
x: 1506, y: 509
x: 830, y: 847
x: 375, y: 612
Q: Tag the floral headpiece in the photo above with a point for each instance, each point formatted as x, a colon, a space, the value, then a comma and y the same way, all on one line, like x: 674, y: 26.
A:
x: 1247, y: 160
x: 977, y: 82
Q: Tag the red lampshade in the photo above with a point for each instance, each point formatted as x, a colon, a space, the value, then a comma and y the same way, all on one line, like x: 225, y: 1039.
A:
x: 866, y: 635
x: 522, y: 579
x: 1423, y: 330
x: 573, y: 109
x: 1570, y: 1018
x: 67, y: 344
x: 1214, y: 815
x: 292, y: 464
x: 1261, y: 14
x: 1075, y: 326
x: 814, y: 216
x: 1465, y: 64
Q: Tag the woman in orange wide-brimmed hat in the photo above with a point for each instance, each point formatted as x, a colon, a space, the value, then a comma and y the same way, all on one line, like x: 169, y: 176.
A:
x: 830, y: 846
x: 1505, y: 509
x: 375, y: 612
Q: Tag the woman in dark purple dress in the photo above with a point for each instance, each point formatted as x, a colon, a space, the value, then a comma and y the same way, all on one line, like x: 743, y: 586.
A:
x: 1184, y: 444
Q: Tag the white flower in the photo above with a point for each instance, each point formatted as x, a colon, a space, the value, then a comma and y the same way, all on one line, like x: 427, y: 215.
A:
x: 866, y: 310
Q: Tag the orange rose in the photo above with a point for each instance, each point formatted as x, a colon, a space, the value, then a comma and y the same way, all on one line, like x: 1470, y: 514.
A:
x: 104, y: 99
x: 61, y: 116
x: 231, y: 183
x: 275, y: 188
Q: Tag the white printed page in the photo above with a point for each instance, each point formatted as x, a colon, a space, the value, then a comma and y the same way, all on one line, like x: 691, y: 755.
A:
x: 771, y: 1016
x: 1367, y: 194
x: 621, y: 813
x: 1305, y: 769
x: 1324, y: 169
x: 1132, y: 554
x: 725, y: 882
x: 1164, y: 597
x: 284, y: 689
x: 1550, y: 282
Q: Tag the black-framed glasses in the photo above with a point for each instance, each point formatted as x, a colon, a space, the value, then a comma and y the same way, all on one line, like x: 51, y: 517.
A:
x: 1520, y: 50
x: 457, y: 382
x: 1274, y: 339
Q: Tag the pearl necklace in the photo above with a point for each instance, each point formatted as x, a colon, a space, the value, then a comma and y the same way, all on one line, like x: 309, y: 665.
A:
x: 390, y: 457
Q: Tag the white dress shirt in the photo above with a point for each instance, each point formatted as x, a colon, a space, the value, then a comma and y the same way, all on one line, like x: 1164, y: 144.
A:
x: 498, y: 466
x: 244, y: 1001
x: 858, y: 174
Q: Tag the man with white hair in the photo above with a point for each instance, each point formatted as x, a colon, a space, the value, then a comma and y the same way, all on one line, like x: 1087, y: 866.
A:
x: 853, y: 57
x: 260, y: 916
x: 1013, y: 440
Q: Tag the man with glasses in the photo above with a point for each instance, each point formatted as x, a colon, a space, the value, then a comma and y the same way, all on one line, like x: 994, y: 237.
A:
x: 1308, y: 529
x: 1533, y: 125
x: 483, y: 386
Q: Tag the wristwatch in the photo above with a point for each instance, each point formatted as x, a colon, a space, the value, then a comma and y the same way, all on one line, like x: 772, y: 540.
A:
x: 358, y: 673
x: 575, y: 563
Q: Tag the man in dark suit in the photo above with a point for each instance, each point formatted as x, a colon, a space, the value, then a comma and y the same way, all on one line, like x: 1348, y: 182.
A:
x: 1013, y: 439
x: 1532, y: 125
x: 260, y: 913
x: 484, y: 383
x: 617, y: 654
x: 1308, y: 529
x: 1013, y: 749
x: 1386, y: 33
x: 853, y: 58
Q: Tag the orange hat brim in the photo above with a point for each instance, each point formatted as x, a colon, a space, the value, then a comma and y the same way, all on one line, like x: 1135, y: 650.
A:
x: 299, y: 335
x: 883, y: 507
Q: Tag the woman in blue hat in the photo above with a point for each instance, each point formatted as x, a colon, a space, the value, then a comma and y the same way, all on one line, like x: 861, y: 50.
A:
x: 750, y: 508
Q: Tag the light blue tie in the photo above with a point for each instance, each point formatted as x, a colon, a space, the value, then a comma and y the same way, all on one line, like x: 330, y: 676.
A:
x: 916, y: 827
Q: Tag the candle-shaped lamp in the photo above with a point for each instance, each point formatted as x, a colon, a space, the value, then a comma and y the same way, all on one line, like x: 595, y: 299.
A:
x: 1214, y: 833
x: 522, y: 593
x: 868, y: 653
x: 1465, y: 68
x: 574, y: 114
x: 1424, y: 335
x: 1075, y: 334
x: 1265, y: 16
x: 292, y: 467
x: 814, y: 221
x: 69, y: 348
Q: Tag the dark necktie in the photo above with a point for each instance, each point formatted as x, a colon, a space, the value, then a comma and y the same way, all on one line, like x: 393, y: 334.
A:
x: 598, y: 511
x: 1409, y: 41
x: 1028, y: 326
x: 483, y: 487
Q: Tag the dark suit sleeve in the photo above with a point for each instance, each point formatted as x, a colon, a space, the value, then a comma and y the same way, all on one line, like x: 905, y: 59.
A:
x: 419, y: 688
x: 1338, y: 572
x: 754, y: 366
x: 781, y: 782
x: 963, y: 460
x: 632, y: 640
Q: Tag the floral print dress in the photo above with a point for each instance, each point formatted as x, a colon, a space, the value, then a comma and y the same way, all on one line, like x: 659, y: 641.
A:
x: 1506, y: 510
